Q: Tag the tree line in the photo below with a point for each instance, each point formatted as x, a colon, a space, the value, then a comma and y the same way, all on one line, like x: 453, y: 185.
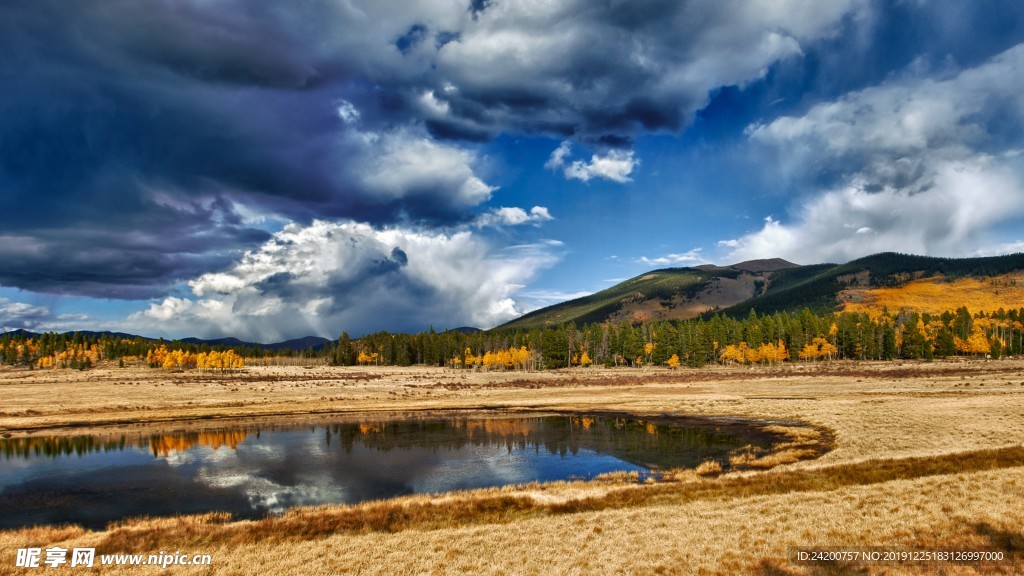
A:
x: 770, y: 338
x: 765, y: 339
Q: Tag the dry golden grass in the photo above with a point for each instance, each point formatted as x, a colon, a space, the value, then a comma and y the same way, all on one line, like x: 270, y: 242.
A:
x: 924, y: 454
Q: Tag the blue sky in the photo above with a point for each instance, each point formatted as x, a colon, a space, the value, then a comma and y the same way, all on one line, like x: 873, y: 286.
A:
x: 198, y: 168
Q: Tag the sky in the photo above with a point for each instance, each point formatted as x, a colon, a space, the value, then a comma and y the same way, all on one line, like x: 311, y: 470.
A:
x: 271, y: 170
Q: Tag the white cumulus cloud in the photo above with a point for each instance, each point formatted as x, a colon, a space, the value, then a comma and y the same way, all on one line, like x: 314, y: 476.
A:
x: 514, y: 216
x: 614, y: 165
x: 19, y: 315
x: 334, y: 276
x: 406, y: 162
x: 917, y: 164
x: 694, y: 256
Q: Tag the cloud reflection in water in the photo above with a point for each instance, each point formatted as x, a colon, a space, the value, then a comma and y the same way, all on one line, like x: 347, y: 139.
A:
x: 250, y: 471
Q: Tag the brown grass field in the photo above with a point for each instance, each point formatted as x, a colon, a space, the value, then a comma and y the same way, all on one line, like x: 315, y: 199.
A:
x: 922, y: 455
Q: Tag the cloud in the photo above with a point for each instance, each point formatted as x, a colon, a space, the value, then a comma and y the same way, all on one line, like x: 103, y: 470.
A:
x: 615, y: 165
x: 531, y: 300
x: 847, y: 223
x: 170, y: 308
x: 685, y: 258
x: 334, y: 276
x: 514, y: 216
x: 918, y: 164
x: 407, y: 168
x: 18, y: 315
x: 575, y: 68
x: 150, y: 143
x: 554, y: 296
x: 1016, y: 247
x: 348, y: 112
x: 558, y: 156
x: 146, y: 145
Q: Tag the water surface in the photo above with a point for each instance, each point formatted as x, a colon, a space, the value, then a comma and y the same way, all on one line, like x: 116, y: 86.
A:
x: 254, y: 470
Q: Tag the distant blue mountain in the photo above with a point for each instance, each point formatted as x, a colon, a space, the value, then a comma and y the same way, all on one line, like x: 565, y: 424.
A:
x: 317, y: 343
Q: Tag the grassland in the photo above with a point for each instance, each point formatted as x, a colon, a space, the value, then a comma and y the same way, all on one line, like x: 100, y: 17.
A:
x: 922, y: 455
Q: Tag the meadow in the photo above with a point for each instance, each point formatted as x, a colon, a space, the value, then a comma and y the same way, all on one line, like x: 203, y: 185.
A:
x: 900, y: 454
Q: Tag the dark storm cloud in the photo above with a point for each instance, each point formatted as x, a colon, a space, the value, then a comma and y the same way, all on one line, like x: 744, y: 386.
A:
x: 935, y: 36
x: 133, y: 136
x: 144, y: 143
x: 123, y: 141
x: 611, y: 71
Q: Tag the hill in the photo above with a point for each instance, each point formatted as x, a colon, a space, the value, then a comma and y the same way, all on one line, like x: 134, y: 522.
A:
x: 667, y: 294
x: 317, y: 343
x: 296, y: 344
x: 830, y: 287
x: 886, y: 280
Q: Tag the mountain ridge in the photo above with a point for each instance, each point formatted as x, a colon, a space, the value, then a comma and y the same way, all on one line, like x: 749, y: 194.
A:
x: 766, y: 286
x: 317, y: 343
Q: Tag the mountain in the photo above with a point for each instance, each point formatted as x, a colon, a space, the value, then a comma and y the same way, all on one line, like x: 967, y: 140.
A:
x: 465, y: 330
x: 668, y: 294
x: 315, y: 342
x: 298, y: 344
x: 229, y: 342
x: 828, y: 287
x: 22, y: 333
x: 887, y: 280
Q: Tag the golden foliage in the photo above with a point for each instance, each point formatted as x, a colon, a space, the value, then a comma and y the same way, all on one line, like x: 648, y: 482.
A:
x: 508, y: 359
x: 71, y: 357
x: 976, y: 343
x: 818, y: 348
x: 767, y: 353
x: 182, y: 360
x: 520, y: 358
x: 936, y: 295
x: 164, y: 445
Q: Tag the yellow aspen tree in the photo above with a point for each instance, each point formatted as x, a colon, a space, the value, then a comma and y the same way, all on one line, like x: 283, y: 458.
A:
x: 748, y: 354
x: 508, y: 358
x: 732, y: 353
x: 977, y: 343
x: 808, y: 352
x: 782, y: 354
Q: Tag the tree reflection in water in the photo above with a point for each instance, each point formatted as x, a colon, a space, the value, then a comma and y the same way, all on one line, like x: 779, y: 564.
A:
x: 255, y: 469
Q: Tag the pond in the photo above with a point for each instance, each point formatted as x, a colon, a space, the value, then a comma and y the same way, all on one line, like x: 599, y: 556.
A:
x: 253, y: 470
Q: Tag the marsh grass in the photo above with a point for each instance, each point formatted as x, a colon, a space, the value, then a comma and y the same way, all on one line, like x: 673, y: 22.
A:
x: 918, y: 458
x: 496, y: 507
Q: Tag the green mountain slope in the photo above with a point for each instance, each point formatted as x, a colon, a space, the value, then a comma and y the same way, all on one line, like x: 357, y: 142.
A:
x: 670, y: 293
x: 817, y: 287
x: 766, y: 286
